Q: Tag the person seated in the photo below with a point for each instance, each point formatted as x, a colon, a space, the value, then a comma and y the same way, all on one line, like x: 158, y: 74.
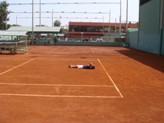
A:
x: 87, y: 66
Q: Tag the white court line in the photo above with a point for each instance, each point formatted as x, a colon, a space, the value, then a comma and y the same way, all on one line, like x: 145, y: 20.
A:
x: 16, y: 67
x: 92, y: 50
x: 110, y: 78
x: 55, y: 85
x: 58, y: 96
x: 63, y: 59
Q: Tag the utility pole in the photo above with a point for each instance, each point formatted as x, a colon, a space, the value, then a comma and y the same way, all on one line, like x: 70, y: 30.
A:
x: 103, y: 26
x: 127, y: 15
x: 52, y: 18
x: 40, y: 11
x: 16, y: 20
x: 109, y: 20
x: 32, y: 38
x: 109, y: 16
x: 6, y: 19
x: 120, y: 16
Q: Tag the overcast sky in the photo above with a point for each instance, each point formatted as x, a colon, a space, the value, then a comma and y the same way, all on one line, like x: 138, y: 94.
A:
x: 25, y: 18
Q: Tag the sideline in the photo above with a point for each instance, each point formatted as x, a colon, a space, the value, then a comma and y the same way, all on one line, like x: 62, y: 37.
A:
x: 92, y: 50
x: 110, y: 77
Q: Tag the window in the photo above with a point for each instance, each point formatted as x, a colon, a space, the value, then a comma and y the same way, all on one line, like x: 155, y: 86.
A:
x: 143, y: 1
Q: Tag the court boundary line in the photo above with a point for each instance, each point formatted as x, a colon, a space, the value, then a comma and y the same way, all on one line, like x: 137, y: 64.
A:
x: 110, y: 77
x: 59, y: 96
x: 2, y: 73
x: 55, y: 85
x: 40, y: 59
x: 92, y: 50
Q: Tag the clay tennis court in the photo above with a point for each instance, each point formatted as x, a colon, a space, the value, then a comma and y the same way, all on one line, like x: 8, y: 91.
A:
x: 127, y: 86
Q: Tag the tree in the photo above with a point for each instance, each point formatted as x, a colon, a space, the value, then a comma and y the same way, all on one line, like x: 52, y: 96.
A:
x: 63, y: 30
x: 3, y: 15
x: 57, y: 23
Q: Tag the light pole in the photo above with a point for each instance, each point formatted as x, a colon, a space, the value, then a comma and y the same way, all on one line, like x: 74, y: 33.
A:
x: 120, y: 16
x: 127, y: 16
x: 52, y: 18
x: 16, y: 20
x: 109, y: 16
x: 32, y: 38
x: 109, y: 20
x: 103, y: 26
x: 40, y: 13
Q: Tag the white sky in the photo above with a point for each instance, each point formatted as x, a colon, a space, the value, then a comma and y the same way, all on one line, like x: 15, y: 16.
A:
x: 113, y: 8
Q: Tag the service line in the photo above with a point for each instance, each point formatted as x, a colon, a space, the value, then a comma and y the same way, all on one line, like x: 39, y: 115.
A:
x: 59, y: 96
x: 16, y: 67
x: 110, y: 77
x: 55, y: 85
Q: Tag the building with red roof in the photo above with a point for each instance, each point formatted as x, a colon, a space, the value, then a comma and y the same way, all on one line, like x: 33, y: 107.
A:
x: 96, y: 29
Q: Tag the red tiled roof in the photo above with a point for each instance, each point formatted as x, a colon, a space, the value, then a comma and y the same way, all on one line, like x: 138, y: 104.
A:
x: 132, y: 25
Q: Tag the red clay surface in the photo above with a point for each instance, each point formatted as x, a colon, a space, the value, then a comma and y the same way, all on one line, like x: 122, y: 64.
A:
x: 127, y: 86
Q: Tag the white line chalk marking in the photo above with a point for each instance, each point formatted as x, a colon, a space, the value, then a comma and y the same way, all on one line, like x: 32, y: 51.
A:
x: 110, y: 78
x: 16, y: 67
x: 92, y: 50
x: 58, y: 96
x: 55, y: 85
